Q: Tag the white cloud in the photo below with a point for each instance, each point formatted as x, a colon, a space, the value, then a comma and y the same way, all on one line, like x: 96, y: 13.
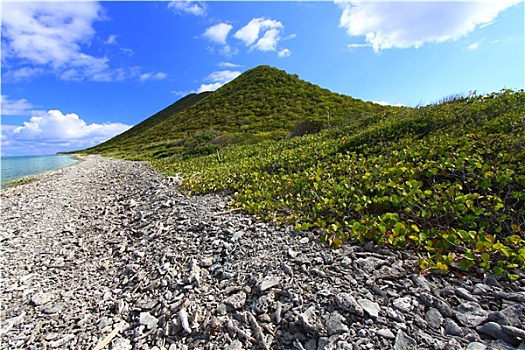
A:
x: 387, y: 25
x: 228, y: 65
x: 111, y: 40
x: 41, y: 38
x: 268, y: 42
x: 384, y: 103
x: 37, y: 35
x: 218, y: 79
x: 153, y: 76
x: 218, y: 33
x: 284, y: 53
x: 56, y: 131
x: 250, y: 34
x: 197, y: 8
x: 474, y: 46
x: 209, y: 87
x: 15, y: 107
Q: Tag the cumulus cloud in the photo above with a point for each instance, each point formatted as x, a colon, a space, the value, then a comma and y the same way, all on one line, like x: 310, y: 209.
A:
x: 197, y: 8
x: 218, y: 33
x: 56, y: 131
x: 284, y: 53
x: 217, y: 79
x: 387, y: 25
x: 251, y: 36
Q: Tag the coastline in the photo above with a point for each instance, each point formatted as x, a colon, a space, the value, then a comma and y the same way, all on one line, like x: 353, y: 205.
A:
x: 109, y: 245
x: 35, y: 177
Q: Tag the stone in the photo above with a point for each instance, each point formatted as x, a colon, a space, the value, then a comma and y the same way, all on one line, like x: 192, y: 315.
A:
x: 433, y: 318
x: 481, y: 289
x: 268, y: 282
x: 62, y: 341
x: 370, y: 307
x: 386, y: 333
x: 263, y: 304
x: 514, y: 331
x: 476, y: 346
x: 443, y: 307
x: 234, y: 345
x: 516, y: 296
x: 336, y: 324
x: 53, y: 309
x: 42, y: 298
x: 494, y: 330
x: 470, y: 314
x: 498, y: 317
x: 347, y: 302
x: 206, y: 262
x: 404, y: 342
x: 311, y: 322
x: 148, y: 320
x: 452, y: 328
x: 236, y: 301
x: 370, y: 264
x: 513, y: 314
x: 403, y: 304
x: 121, y: 344
x: 464, y: 294
x: 181, y: 264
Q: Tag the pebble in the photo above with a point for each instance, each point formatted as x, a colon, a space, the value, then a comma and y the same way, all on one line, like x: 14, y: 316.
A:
x: 470, y: 314
x: 370, y: 307
x: 386, y: 333
x: 42, y: 298
x: 236, y: 301
x: 105, y: 241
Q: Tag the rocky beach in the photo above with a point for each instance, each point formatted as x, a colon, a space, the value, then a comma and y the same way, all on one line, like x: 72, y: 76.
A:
x: 110, y: 254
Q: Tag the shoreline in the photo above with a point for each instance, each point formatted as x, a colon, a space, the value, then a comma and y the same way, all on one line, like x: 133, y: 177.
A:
x: 35, y: 177
x: 112, y: 247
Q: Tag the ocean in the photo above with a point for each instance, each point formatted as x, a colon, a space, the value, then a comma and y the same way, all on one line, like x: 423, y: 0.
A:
x: 14, y: 168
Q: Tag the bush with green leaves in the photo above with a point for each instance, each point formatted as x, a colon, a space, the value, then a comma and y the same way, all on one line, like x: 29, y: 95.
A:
x: 445, y: 180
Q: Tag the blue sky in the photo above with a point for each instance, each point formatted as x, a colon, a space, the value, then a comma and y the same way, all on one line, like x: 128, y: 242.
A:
x: 76, y: 74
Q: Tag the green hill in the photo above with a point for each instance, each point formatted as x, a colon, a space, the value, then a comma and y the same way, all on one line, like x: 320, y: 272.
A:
x: 263, y: 103
x: 446, y: 180
x: 140, y: 130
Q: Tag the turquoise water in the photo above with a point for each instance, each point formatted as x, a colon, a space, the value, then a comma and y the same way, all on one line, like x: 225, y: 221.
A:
x: 14, y: 168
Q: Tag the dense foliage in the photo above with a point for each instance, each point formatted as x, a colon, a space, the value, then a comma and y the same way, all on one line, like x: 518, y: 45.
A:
x: 446, y: 180
x: 264, y: 103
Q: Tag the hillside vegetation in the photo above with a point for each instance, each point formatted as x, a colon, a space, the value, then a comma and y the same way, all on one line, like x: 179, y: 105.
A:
x: 446, y: 180
x: 264, y: 103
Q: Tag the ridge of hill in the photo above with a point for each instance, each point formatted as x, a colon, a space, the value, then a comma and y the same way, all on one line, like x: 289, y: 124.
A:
x: 263, y: 103
x: 142, y: 127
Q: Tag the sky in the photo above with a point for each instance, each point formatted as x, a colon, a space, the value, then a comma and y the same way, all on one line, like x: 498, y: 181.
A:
x: 74, y: 74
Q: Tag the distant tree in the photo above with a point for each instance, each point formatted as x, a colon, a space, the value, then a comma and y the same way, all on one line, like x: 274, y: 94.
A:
x: 306, y: 126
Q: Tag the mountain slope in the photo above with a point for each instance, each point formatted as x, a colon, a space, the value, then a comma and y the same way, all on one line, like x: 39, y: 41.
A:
x: 140, y: 129
x: 263, y: 103
x: 446, y: 180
